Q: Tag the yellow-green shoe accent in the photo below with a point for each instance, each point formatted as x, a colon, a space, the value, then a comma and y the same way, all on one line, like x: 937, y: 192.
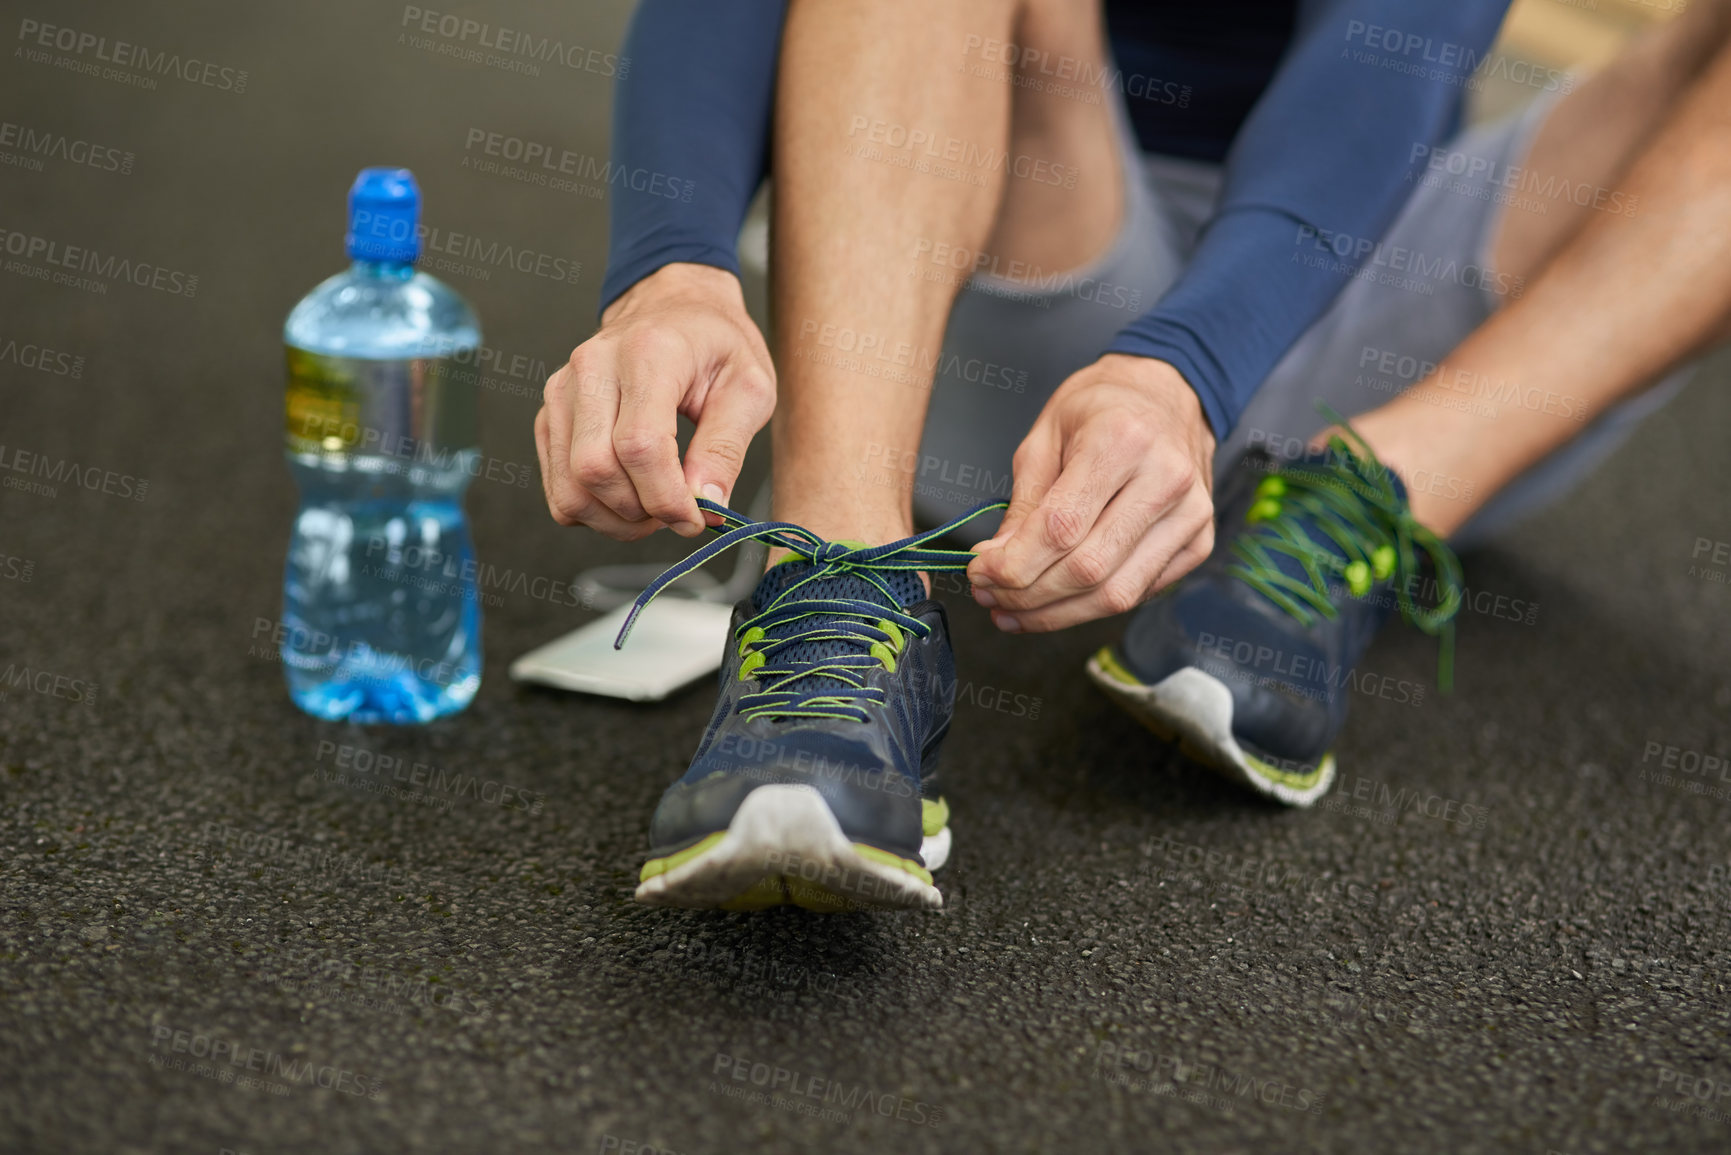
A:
x: 657, y: 866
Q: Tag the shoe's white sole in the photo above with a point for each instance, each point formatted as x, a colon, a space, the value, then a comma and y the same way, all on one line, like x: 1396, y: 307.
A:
x: 935, y: 849
x: 785, y: 846
x: 1195, y: 708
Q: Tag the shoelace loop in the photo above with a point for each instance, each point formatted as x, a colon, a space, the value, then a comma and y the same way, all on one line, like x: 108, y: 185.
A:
x: 1352, y: 500
x: 833, y: 686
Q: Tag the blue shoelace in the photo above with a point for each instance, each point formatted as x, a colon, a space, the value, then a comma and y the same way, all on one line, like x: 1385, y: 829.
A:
x: 810, y: 652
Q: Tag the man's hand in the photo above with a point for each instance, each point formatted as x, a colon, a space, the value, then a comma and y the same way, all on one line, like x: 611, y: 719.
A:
x: 678, y: 341
x: 1111, y: 500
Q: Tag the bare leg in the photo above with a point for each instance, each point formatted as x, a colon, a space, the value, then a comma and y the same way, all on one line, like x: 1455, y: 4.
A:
x: 1594, y: 135
x: 1613, y: 302
x: 868, y: 93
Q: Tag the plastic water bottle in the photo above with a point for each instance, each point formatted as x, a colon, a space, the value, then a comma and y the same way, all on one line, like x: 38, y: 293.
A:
x: 381, y: 618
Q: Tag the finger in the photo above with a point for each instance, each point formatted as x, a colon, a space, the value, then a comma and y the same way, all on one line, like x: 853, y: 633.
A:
x: 646, y: 434
x: 1034, y: 468
x: 594, y: 467
x: 1197, y: 551
x: 541, y: 457
x: 553, y: 425
x: 735, y: 409
x: 585, y: 509
x: 570, y: 503
x: 1174, y: 547
x: 1129, y: 517
x: 1099, y: 466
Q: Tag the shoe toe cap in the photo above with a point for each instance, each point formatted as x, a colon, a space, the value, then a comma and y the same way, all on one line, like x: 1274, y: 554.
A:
x: 872, y: 802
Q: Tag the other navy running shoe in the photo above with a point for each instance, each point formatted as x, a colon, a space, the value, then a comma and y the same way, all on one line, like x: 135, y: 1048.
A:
x: 815, y: 783
x: 1250, y: 660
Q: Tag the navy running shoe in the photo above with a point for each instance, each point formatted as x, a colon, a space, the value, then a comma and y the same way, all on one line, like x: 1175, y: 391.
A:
x: 815, y: 783
x: 1250, y: 661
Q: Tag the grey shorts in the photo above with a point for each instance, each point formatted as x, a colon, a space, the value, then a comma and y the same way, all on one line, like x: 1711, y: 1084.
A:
x: 1428, y: 284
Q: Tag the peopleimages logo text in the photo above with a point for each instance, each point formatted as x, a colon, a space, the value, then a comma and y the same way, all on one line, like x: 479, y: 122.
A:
x: 275, y: 1064
x: 799, y: 1085
x: 1456, y: 64
x: 48, y: 684
x: 467, y: 246
x: 29, y: 247
x: 526, y: 46
x: 29, y: 355
x: 123, y: 54
x: 582, y: 166
x: 92, y: 477
x: 58, y: 146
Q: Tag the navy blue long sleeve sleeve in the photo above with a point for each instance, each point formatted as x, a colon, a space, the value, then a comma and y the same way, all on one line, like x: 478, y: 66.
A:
x: 691, y: 126
x: 1319, y: 169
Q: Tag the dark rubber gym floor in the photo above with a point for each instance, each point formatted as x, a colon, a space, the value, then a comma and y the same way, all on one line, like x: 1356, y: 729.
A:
x: 1506, y: 930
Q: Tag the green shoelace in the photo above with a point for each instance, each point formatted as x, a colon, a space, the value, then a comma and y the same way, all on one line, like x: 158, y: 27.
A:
x: 1350, y: 500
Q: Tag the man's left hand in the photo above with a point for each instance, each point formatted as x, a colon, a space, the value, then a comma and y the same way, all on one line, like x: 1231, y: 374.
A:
x: 1111, y: 502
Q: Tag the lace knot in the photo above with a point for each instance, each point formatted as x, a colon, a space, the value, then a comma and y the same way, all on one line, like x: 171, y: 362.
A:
x: 831, y: 552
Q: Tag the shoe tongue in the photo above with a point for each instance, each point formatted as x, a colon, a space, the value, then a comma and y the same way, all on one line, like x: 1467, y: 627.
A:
x: 905, y: 585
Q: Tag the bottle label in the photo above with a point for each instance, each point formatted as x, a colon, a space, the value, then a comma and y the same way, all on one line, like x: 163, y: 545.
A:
x: 421, y: 409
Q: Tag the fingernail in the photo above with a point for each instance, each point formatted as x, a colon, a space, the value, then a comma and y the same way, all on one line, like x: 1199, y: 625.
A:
x: 713, y: 492
x: 1007, y: 623
x: 984, y: 597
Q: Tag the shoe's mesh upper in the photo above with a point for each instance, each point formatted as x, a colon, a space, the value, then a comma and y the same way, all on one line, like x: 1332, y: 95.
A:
x: 905, y: 584
x: 847, y: 623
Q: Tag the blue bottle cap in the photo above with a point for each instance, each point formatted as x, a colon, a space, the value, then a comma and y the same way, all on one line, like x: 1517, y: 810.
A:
x: 384, y: 212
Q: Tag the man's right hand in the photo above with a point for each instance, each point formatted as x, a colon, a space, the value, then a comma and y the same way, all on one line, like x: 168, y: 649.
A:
x: 678, y: 341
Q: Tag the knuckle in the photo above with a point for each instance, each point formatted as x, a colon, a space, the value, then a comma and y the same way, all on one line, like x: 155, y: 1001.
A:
x: 581, y: 366
x: 1015, y: 575
x: 757, y: 385
x: 1088, y: 568
x: 665, y: 507
x: 1064, y: 526
x: 1175, y: 483
x: 568, y: 510
x: 592, y: 472
x: 1134, y: 434
x: 726, y: 449
x: 637, y: 446
x: 1204, y: 543
x: 1120, y: 597
x: 653, y: 343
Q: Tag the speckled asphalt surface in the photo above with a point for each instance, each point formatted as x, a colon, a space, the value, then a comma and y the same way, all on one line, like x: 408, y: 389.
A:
x: 1506, y: 931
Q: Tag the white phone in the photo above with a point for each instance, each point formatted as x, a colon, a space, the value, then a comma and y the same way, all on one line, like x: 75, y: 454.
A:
x: 677, y: 639
x: 674, y: 641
